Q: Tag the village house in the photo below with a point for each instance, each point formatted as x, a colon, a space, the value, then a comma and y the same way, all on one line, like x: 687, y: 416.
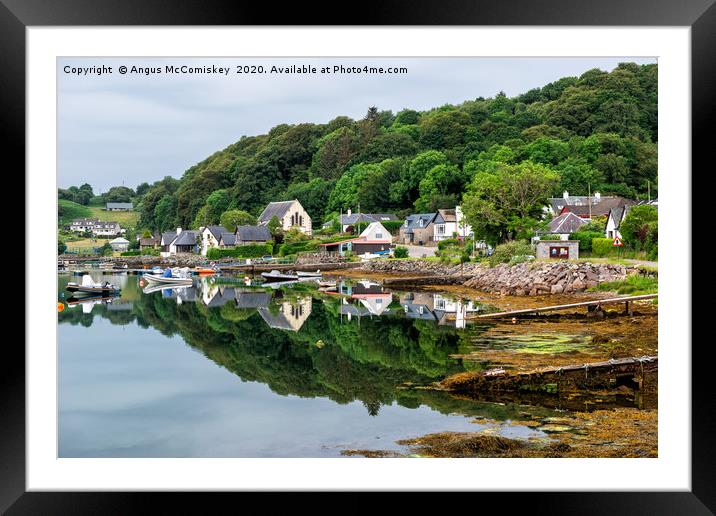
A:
x: 614, y: 221
x: 119, y: 244
x: 179, y: 241
x: 245, y: 235
x: 587, y: 207
x: 149, y: 242
x: 563, y: 226
x: 374, y: 239
x: 227, y: 240
x: 349, y: 220
x: 418, y: 229
x: 289, y: 213
x: 119, y: 206
x: 450, y: 223
x: 96, y: 227
x: 210, y: 237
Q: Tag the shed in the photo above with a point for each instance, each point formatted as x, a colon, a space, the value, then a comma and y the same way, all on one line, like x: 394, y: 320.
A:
x: 558, y: 249
x: 119, y: 244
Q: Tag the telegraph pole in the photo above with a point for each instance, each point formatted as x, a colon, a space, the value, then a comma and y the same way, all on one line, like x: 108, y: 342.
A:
x: 589, y: 199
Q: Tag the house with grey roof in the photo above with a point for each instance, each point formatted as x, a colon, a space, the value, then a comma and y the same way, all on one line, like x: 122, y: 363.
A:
x: 252, y: 235
x: 119, y: 206
x: 290, y: 214
x: 227, y: 240
x: 350, y: 219
x: 563, y: 225
x: 418, y: 229
x: 614, y: 221
x: 288, y: 314
x: 179, y: 241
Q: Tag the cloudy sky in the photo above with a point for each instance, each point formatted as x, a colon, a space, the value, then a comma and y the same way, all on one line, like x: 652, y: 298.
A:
x: 116, y: 129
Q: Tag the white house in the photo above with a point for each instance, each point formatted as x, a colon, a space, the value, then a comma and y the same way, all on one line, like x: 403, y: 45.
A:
x: 119, y: 244
x: 450, y: 224
x: 96, y: 227
x: 211, y: 237
x: 289, y: 213
x: 614, y: 221
x: 179, y: 241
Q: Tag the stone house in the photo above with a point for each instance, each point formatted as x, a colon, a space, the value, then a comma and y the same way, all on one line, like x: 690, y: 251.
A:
x: 418, y: 229
x: 289, y: 213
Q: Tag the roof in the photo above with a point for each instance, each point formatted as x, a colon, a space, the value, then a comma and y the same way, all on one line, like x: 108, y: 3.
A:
x: 168, y: 237
x: 147, y: 241
x: 618, y: 214
x: 278, y: 320
x: 252, y: 299
x: 413, y: 221
x: 566, y: 223
x: 355, y: 218
x: 217, y: 231
x: 186, y: 238
x: 447, y: 215
x: 228, y: 239
x: 600, y: 208
x: 275, y: 209
x: 120, y: 205
x: 253, y: 233
x: 119, y: 240
x: 85, y: 221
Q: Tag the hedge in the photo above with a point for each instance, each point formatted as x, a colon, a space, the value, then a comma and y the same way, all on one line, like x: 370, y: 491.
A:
x: 297, y: 247
x: 585, y: 239
x: 603, y: 247
x: 240, y: 251
x: 130, y: 253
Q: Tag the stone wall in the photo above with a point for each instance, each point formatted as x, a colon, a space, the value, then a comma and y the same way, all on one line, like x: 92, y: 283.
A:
x: 529, y: 278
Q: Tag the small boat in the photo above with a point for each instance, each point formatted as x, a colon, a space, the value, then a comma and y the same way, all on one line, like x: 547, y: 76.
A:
x: 327, y: 284
x: 302, y: 274
x: 171, y: 277
x: 275, y: 275
x: 205, y: 271
x: 88, y: 286
x: 162, y: 287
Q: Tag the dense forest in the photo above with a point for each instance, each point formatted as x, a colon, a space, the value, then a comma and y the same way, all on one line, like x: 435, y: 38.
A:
x: 597, y: 131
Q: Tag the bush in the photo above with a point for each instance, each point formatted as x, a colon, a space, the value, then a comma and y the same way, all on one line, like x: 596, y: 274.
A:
x: 585, y: 238
x: 241, y: 251
x: 297, y: 247
x: 504, y: 253
x: 393, y: 226
x: 400, y: 252
x: 61, y: 247
x: 149, y: 251
x: 130, y: 253
x: 442, y: 244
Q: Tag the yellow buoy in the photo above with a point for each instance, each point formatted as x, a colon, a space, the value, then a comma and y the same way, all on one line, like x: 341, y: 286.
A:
x: 60, y: 307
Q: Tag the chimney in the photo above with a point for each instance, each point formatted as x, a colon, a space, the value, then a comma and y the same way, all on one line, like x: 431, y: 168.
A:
x: 349, y: 212
x: 178, y: 231
x: 565, y: 195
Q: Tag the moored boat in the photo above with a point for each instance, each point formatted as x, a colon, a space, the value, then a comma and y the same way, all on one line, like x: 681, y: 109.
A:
x: 275, y: 275
x: 302, y: 274
x: 171, y: 277
x: 89, y: 286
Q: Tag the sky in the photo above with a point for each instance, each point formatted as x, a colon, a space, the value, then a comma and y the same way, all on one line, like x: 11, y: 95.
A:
x: 125, y: 129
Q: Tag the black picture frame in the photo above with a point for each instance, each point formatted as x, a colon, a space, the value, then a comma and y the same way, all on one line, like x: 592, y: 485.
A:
x: 700, y: 15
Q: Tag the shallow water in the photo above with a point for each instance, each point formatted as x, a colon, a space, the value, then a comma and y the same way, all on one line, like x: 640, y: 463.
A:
x: 223, y: 370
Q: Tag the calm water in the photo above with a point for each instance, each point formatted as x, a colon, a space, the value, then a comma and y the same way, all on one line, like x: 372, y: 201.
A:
x: 217, y: 370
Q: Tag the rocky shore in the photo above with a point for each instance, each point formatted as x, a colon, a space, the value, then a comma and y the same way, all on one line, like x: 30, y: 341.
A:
x: 524, y: 279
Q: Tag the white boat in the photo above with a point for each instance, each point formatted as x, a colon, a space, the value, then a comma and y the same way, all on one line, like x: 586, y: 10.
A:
x: 89, y: 286
x: 275, y: 275
x: 171, y: 277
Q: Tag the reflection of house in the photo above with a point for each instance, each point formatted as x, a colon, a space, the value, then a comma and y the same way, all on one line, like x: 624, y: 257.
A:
x: 374, y: 239
x: 438, y: 308
x: 217, y: 295
x: 289, y: 213
x: 291, y: 314
x: 252, y: 299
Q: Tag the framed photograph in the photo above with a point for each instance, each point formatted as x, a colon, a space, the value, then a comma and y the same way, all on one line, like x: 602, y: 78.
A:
x: 416, y: 252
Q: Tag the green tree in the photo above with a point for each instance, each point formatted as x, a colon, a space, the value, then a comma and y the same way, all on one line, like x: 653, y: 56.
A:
x: 231, y: 219
x: 639, y: 223
x: 165, y: 213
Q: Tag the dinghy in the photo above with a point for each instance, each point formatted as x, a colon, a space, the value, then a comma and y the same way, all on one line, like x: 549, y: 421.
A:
x: 89, y: 286
x: 302, y: 274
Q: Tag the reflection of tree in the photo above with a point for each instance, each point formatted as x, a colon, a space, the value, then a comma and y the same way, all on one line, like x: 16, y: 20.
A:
x: 364, y: 362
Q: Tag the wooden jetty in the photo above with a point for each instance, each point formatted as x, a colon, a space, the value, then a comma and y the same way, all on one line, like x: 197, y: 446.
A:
x: 592, y: 306
x: 634, y: 373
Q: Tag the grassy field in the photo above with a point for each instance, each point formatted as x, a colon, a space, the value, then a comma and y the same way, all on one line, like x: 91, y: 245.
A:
x: 71, y: 210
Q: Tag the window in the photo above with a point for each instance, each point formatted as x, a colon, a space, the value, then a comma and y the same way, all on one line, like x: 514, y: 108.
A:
x: 441, y: 229
x: 379, y: 235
